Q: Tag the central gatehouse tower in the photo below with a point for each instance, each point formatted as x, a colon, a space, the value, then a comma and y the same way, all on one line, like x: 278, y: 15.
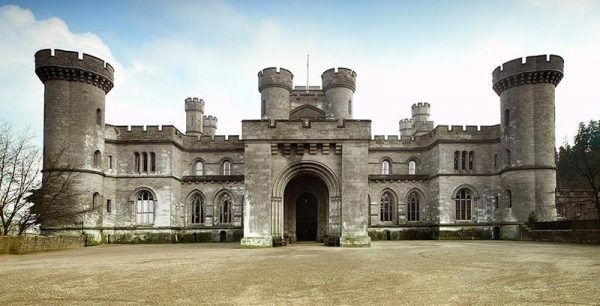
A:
x: 306, y: 178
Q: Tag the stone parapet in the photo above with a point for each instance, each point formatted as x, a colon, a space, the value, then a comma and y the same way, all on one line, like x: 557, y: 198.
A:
x: 275, y: 77
x: 535, y: 70
x: 66, y: 65
x: 340, y: 77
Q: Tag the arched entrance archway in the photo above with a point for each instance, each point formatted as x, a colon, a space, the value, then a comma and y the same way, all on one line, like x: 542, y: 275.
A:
x: 314, y: 178
x: 306, y: 208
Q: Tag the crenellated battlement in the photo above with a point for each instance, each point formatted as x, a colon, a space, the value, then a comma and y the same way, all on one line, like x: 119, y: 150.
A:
x: 420, y: 105
x: 441, y: 133
x: 339, y: 77
x: 210, y: 121
x: 67, y: 65
x: 155, y: 133
x: 324, y: 129
x: 275, y: 77
x: 194, y: 104
x: 421, y: 111
x: 535, y: 69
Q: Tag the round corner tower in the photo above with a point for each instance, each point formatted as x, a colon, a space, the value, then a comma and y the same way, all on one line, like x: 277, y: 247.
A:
x: 275, y: 86
x: 339, y: 86
x: 527, y: 145
x: 74, y: 115
x: 194, y: 112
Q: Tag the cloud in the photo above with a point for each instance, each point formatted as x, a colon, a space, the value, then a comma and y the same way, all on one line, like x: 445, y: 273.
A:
x: 214, y: 50
x: 22, y: 35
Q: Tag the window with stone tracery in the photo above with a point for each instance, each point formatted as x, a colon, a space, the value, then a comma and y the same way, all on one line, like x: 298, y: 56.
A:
x: 414, y: 202
x: 226, y: 208
x: 464, y: 200
x: 144, y: 207
x: 386, y: 207
x: 197, y: 209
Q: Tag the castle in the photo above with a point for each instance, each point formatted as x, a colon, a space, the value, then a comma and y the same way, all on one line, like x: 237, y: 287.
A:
x: 306, y: 170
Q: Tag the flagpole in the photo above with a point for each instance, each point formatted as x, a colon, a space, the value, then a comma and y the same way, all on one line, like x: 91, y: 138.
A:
x: 307, y: 58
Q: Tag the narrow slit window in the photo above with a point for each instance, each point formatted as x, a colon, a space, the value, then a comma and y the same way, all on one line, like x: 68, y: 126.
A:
x: 471, y: 160
x: 152, y: 162
x: 136, y: 162
x: 144, y: 162
x: 456, y: 160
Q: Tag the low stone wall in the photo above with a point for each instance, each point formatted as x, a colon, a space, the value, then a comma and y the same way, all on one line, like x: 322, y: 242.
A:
x: 565, y: 236
x: 32, y: 244
x: 183, y: 236
x: 442, y: 232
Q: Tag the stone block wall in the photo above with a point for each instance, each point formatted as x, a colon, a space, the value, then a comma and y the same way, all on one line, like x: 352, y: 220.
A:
x: 32, y: 244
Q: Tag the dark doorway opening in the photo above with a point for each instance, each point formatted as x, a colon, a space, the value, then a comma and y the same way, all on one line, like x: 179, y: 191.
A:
x: 306, y: 217
x: 222, y: 236
x: 496, y: 235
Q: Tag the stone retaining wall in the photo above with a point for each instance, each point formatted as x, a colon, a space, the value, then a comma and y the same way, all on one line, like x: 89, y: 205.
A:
x: 32, y: 244
x: 565, y: 236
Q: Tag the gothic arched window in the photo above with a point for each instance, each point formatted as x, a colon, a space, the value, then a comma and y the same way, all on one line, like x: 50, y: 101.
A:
x: 386, y: 207
x: 226, y: 167
x: 385, y: 167
x: 199, y: 168
x: 226, y: 208
x: 464, y: 200
x: 414, y: 202
x: 144, y: 207
x: 412, y: 167
x: 197, y: 209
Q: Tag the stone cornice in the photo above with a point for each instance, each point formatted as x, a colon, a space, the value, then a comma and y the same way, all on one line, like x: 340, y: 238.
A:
x: 46, y: 73
x: 528, y: 77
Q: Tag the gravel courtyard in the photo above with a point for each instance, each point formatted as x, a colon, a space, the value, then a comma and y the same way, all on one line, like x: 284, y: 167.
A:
x: 400, y: 272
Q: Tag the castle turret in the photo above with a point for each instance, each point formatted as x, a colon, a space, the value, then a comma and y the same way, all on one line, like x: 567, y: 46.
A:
x: 210, y: 125
x: 406, y: 127
x: 275, y: 86
x: 526, y: 91
x: 339, y: 87
x: 194, y: 112
x: 420, y: 118
x: 74, y: 100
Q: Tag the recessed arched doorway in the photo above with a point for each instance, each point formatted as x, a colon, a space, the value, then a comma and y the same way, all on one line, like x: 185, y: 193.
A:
x: 306, y: 217
x: 306, y: 208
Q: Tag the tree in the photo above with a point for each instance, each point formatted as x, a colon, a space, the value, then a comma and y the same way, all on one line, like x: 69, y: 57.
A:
x: 579, y: 165
x: 28, y: 197
x: 56, y: 200
x: 19, y: 168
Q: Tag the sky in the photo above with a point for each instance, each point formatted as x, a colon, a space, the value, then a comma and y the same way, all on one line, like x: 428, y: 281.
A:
x: 441, y: 52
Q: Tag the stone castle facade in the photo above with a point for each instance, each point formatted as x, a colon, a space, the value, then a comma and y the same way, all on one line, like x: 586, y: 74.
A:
x: 306, y: 170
